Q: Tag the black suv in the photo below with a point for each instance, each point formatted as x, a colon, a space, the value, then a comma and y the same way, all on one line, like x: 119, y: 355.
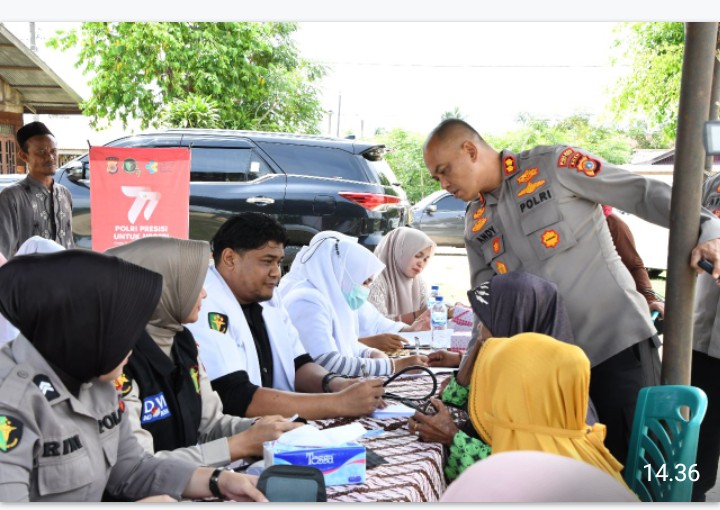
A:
x: 309, y: 183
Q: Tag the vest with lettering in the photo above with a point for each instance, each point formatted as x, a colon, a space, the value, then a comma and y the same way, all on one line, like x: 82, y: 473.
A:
x: 168, y: 389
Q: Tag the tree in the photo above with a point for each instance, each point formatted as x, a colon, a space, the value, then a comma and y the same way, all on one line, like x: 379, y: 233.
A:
x: 191, y: 112
x: 251, y: 73
x: 406, y: 160
x: 650, y: 92
x: 454, y: 114
x: 611, y: 144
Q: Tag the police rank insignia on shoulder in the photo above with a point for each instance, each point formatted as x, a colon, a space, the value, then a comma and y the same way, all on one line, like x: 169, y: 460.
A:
x: 11, y: 430
x: 218, y: 321
x: 510, y: 165
x: 123, y: 384
x: 46, y: 387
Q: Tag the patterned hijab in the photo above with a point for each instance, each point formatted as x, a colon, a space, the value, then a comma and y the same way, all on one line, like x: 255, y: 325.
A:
x: 396, y: 250
x: 519, y: 302
x: 83, y: 311
x: 183, y: 265
x: 531, y: 392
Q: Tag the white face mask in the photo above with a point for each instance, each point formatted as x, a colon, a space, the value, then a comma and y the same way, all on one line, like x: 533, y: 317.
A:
x: 357, y: 296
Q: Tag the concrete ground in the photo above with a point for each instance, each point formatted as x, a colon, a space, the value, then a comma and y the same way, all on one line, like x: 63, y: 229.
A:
x: 449, y: 269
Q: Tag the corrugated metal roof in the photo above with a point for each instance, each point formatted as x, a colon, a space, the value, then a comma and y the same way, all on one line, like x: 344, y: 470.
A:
x: 42, y: 90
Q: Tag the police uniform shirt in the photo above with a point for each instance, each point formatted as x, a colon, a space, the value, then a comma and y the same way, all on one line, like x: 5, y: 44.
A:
x: 56, y: 447
x: 545, y: 219
x: 28, y: 208
x: 706, y: 336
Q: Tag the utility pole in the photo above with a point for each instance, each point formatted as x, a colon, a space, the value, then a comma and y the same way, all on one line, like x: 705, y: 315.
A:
x: 33, y: 46
x: 337, y: 132
x: 693, y: 111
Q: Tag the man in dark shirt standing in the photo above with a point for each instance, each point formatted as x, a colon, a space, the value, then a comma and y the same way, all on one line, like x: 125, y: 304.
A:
x: 37, y: 205
x: 250, y: 349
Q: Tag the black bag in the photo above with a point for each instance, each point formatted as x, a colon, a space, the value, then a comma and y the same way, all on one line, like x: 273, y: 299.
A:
x: 294, y: 484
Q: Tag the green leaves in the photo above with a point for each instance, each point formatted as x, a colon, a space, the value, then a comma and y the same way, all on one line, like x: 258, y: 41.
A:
x: 229, y: 75
x: 650, y: 93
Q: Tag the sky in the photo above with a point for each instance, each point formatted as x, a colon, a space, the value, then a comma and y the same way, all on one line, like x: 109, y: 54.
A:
x: 406, y: 63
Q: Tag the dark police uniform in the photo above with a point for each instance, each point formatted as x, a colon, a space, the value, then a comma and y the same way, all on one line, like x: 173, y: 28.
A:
x: 545, y: 219
x: 706, y: 361
x: 171, y: 405
x: 56, y: 447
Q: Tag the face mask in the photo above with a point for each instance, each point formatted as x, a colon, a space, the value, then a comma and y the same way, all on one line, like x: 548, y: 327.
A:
x: 357, y: 296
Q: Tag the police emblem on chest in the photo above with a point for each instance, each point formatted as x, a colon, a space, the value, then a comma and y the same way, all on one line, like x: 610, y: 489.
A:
x: 11, y: 430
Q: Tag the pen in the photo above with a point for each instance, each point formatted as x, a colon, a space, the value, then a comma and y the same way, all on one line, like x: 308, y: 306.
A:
x: 417, y: 346
x: 294, y: 417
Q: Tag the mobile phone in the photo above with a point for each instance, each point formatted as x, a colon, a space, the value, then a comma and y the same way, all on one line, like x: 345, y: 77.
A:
x: 706, y: 265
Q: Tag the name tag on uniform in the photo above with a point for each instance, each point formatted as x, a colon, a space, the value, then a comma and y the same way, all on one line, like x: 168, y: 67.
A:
x: 154, y: 408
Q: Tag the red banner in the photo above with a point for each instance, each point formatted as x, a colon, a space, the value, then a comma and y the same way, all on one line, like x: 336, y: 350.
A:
x: 137, y: 193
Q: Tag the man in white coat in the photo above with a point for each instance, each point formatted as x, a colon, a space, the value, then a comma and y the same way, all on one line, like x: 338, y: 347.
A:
x: 248, y: 345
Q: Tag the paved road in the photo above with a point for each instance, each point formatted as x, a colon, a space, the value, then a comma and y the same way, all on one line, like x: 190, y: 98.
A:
x: 449, y: 269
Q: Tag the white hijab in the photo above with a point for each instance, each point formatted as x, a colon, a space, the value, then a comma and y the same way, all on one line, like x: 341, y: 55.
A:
x: 297, y: 269
x: 332, y: 267
x: 35, y: 244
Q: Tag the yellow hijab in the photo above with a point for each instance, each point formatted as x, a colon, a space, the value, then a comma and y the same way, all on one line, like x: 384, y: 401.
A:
x: 530, y: 392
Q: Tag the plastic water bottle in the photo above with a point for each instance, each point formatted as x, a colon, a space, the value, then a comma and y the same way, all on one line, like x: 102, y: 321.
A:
x: 438, y: 324
x: 434, y: 292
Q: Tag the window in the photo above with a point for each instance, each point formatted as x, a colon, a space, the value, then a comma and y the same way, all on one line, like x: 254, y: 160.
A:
x: 315, y: 161
x: 450, y: 203
x: 226, y: 165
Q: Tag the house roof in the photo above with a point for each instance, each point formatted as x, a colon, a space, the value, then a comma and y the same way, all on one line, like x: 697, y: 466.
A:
x: 41, y: 89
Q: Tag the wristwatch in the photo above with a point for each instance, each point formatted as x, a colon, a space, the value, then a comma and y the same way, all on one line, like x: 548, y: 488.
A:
x: 326, y: 381
x: 213, y: 482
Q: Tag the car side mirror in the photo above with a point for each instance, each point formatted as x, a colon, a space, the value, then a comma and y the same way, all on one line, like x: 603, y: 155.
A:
x: 431, y: 208
x: 75, y: 171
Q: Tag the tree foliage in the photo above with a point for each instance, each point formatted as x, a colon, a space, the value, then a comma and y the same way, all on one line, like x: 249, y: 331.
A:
x: 611, y: 144
x: 406, y: 160
x: 650, y: 92
x: 250, y: 73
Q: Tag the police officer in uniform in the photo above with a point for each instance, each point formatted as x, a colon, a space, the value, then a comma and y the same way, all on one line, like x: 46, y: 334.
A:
x: 706, y: 361
x: 62, y: 432
x: 538, y: 211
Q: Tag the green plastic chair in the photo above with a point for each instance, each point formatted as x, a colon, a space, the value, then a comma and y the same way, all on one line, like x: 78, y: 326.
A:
x: 663, y: 444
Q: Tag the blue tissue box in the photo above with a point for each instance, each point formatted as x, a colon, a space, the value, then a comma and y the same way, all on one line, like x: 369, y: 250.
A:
x: 341, y: 465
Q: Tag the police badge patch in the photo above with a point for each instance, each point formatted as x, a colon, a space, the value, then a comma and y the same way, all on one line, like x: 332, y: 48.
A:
x: 11, y: 430
x: 123, y: 384
x: 218, y: 321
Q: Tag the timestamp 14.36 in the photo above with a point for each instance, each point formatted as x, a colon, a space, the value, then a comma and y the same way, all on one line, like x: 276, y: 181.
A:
x: 679, y: 474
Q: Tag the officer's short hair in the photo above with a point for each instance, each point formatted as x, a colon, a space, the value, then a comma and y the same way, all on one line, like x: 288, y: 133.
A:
x: 247, y: 231
x: 449, y: 126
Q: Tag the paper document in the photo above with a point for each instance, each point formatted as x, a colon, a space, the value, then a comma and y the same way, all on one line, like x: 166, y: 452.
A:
x: 396, y: 410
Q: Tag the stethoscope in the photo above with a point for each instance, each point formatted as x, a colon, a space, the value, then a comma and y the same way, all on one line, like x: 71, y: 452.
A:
x: 418, y: 403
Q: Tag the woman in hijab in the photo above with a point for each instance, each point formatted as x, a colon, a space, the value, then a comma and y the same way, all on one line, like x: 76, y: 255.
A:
x: 400, y: 292
x: 324, y: 309
x: 506, y: 305
x: 62, y: 432
x: 170, y: 403
x: 531, y: 392
x: 35, y: 244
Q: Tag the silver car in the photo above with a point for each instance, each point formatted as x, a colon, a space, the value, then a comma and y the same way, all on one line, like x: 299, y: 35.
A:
x: 442, y: 217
